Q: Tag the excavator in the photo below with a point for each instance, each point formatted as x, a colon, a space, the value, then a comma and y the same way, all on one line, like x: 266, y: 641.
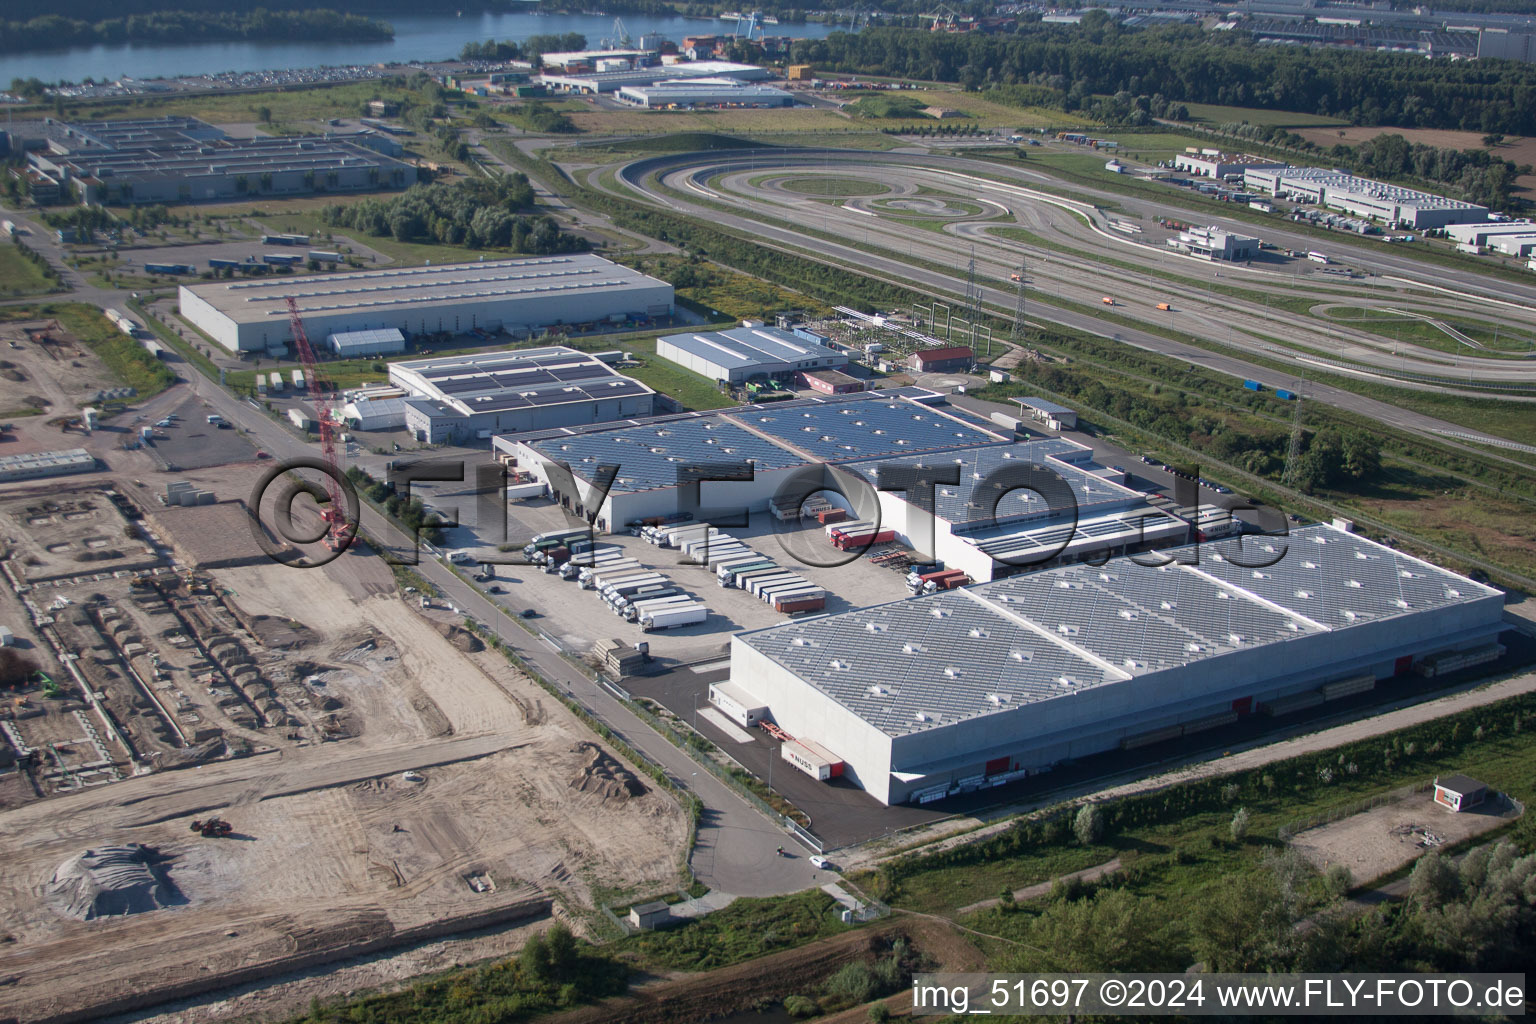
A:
x: 213, y: 828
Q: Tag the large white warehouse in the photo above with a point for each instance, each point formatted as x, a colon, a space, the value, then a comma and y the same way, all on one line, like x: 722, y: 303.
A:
x: 1363, y: 197
x: 252, y: 315
x: 935, y: 695
x: 743, y: 353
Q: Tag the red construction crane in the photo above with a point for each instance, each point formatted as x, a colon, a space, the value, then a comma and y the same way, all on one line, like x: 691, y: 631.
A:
x: 335, y: 513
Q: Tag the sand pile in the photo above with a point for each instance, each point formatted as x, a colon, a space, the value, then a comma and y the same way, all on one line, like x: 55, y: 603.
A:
x: 114, y: 881
x: 461, y: 638
x: 603, y: 775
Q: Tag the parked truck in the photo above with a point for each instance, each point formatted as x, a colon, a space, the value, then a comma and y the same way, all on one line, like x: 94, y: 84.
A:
x: 730, y: 572
x: 587, y: 575
x: 672, y: 618
x: 634, y: 609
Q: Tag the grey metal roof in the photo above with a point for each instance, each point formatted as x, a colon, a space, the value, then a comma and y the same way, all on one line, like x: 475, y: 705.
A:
x: 382, y: 291
x: 650, y: 456
x: 743, y: 347
x: 876, y: 426
x: 344, y: 340
x: 489, y: 382
x: 1013, y: 465
x: 929, y: 661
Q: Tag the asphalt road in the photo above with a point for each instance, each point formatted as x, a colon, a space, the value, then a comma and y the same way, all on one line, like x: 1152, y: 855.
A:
x: 898, y: 270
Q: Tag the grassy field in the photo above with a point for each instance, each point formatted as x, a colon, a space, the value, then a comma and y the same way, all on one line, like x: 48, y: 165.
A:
x: 690, y: 390
x: 19, y: 276
x: 822, y: 186
x: 1213, y: 114
x: 730, y: 122
x: 747, y: 928
x: 1497, y: 340
x: 128, y: 361
x: 308, y: 103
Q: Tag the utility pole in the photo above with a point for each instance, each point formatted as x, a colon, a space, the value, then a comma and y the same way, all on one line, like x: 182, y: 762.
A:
x: 1293, y: 454
x: 1018, y: 305
x: 973, y: 297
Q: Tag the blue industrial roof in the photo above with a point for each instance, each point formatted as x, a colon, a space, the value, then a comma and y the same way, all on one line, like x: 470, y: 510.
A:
x: 744, y: 347
x: 874, y: 427
x: 650, y: 456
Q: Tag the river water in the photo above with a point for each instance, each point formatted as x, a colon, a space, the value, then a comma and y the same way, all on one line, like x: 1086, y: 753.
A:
x: 416, y: 38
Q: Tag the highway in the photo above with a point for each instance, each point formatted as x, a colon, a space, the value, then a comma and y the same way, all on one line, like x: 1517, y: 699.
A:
x: 1100, y: 261
x: 901, y: 266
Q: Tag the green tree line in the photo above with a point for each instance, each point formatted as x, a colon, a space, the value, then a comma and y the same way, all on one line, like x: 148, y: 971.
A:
x: 480, y: 213
x: 51, y: 31
x: 1190, y: 65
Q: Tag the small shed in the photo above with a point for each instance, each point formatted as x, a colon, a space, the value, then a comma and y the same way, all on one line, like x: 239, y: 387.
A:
x: 1057, y: 417
x: 1458, y: 793
x: 649, y: 916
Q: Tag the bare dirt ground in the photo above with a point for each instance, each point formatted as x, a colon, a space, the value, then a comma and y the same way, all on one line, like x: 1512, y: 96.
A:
x: 1381, y: 840
x: 43, y: 366
x: 334, y: 844
x: 1516, y: 149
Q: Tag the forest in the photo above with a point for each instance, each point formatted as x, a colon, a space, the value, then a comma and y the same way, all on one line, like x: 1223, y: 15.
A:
x: 55, y: 31
x: 479, y: 213
x: 1190, y: 65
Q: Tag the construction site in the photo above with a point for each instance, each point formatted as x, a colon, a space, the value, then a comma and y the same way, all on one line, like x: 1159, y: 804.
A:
x: 240, y: 772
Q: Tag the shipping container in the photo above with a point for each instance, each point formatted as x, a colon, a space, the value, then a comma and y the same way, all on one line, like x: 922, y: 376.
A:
x: 170, y: 268
x: 812, y: 758
x: 800, y: 606
x: 1253, y: 385
x: 1284, y: 394
x: 280, y: 259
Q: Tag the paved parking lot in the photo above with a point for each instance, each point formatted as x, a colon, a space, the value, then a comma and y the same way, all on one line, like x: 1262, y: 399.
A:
x: 191, y: 442
x: 578, y: 618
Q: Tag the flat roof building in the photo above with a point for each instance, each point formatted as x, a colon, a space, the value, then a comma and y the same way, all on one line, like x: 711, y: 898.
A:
x: 182, y: 159
x: 455, y: 398
x: 742, y: 353
x: 703, y: 92
x: 1052, y: 414
x: 1015, y: 507
x: 355, y: 344
x: 654, y: 457
x: 516, y: 294
x: 932, y: 696
x: 1478, y: 233
x: 1362, y: 197
x: 31, y: 465
x: 1215, y: 244
x: 1219, y: 166
x: 612, y: 81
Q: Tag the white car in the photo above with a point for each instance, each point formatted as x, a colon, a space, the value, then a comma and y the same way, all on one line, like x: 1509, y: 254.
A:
x: 820, y: 862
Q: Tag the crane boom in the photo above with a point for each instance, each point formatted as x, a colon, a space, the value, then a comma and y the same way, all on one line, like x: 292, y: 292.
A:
x: 334, y: 513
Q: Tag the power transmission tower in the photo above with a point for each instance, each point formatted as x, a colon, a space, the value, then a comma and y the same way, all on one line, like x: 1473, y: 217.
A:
x: 1018, y: 305
x: 1293, y: 453
x: 973, y: 297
